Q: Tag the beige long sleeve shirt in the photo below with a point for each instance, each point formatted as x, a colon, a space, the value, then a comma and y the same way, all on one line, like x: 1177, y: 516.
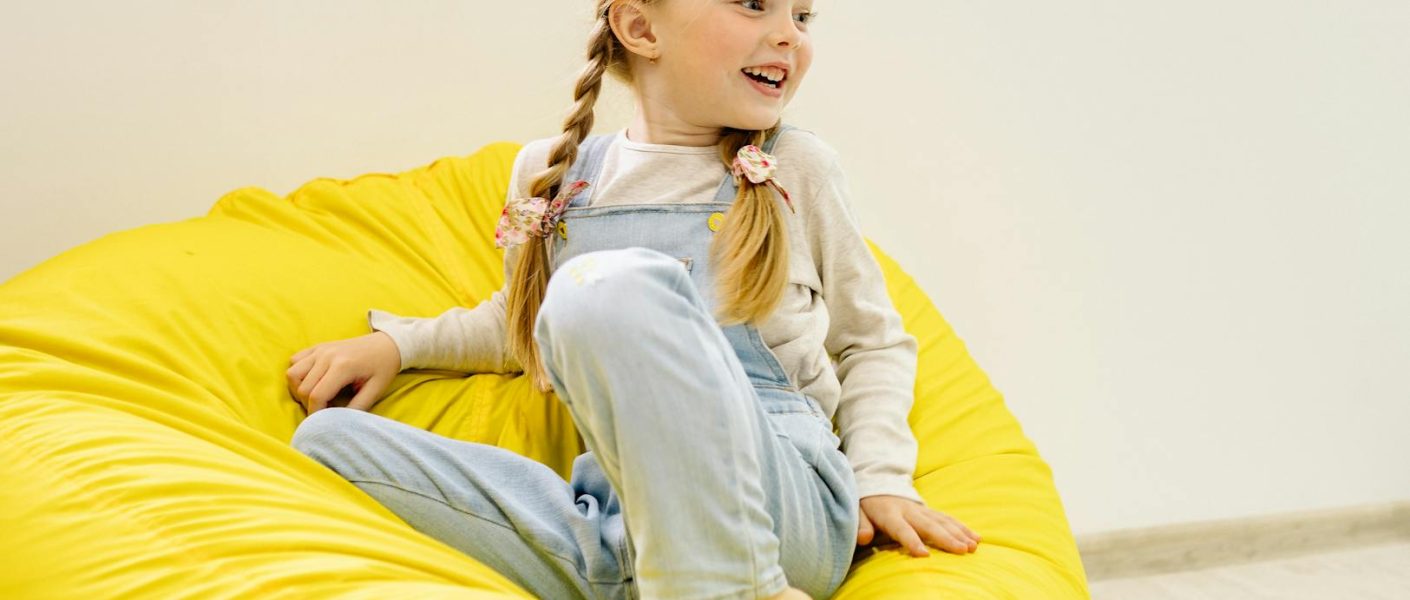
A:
x: 836, y: 332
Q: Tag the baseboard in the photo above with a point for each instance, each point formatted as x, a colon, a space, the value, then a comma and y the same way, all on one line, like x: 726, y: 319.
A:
x: 1186, y: 546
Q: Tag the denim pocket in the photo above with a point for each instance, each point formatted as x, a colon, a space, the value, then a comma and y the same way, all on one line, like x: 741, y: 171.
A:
x: 799, y: 430
x: 779, y: 399
x: 799, y: 419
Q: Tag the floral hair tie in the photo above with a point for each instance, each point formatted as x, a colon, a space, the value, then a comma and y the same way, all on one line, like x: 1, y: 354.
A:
x: 759, y: 167
x: 525, y: 217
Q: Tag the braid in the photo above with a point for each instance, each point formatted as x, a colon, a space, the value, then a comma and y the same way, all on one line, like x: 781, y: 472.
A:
x: 531, y: 273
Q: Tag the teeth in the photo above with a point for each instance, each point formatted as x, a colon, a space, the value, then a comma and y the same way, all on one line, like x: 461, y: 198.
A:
x: 773, y: 74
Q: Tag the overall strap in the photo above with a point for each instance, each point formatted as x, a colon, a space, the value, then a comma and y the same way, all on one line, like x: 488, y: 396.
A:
x: 728, y: 190
x: 588, y: 165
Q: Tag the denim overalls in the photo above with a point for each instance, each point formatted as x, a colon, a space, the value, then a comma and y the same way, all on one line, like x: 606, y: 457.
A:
x: 732, y: 476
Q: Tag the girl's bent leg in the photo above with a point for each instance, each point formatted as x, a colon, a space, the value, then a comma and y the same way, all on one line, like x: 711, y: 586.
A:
x: 553, y: 538
x: 709, y: 485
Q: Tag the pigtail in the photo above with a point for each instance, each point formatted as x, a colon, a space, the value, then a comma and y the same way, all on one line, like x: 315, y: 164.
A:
x: 750, y: 252
x: 531, y: 272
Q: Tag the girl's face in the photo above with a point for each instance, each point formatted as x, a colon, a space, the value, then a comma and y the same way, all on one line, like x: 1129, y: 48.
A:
x: 717, y: 58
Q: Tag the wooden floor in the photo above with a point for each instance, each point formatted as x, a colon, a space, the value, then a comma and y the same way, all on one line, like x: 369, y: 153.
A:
x: 1369, y: 573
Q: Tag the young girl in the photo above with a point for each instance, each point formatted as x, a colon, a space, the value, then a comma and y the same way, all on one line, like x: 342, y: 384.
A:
x: 713, y: 307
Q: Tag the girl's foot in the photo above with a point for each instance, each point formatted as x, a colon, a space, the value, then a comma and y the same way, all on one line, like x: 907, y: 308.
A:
x: 792, y: 593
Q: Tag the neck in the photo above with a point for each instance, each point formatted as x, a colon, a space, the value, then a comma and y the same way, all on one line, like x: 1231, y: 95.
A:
x: 657, y: 126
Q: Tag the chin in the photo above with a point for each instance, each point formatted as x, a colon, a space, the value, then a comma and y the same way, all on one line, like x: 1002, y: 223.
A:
x: 755, y: 122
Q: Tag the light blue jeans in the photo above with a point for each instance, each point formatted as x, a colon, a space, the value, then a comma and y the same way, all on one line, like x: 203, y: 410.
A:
x: 698, y: 483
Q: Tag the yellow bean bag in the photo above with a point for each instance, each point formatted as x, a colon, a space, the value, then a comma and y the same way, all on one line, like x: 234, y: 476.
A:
x: 145, y: 420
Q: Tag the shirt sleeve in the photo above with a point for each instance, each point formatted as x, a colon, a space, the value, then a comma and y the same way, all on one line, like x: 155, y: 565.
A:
x: 470, y: 340
x: 875, y: 358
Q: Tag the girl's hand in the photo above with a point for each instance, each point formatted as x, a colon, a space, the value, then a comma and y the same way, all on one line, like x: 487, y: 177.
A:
x: 907, y: 521
x: 366, y: 363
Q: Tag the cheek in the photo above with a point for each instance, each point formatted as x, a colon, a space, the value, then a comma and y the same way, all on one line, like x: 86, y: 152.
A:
x: 805, y: 58
x: 697, y: 78
x: 717, y: 49
x: 705, y: 70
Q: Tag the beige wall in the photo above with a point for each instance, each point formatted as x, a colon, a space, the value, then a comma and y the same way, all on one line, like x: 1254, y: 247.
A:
x: 1173, y: 233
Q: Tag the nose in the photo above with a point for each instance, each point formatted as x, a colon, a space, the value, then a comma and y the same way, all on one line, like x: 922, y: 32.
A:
x: 786, y: 34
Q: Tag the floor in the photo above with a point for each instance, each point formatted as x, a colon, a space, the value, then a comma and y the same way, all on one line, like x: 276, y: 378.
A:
x: 1369, y: 573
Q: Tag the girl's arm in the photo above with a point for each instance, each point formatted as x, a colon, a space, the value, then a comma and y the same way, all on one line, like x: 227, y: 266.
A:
x: 470, y: 340
x: 876, y: 357
x: 876, y: 363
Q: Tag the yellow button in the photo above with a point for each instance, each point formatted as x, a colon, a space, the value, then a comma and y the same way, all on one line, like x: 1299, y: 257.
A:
x: 563, y: 230
x: 716, y: 220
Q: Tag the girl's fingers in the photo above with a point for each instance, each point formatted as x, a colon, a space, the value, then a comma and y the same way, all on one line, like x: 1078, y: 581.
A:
x: 968, y: 531
x: 299, y: 355
x: 312, y: 379
x: 300, y: 370
x: 295, y: 378
x: 944, y: 518
x: 865, y: 531
x: 369, y: 394
x: 940, y: 536
x: 962, y: 542
x: 326, y: 389
x: 901, y: 531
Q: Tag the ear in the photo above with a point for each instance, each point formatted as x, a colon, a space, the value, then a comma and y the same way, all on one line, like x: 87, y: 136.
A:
x: 632, y: 24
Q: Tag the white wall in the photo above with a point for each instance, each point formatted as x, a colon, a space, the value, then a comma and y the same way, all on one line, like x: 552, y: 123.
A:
x: 1173, y: 233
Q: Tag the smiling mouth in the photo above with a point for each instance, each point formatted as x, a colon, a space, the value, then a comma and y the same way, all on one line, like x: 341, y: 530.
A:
x: 765, y: 80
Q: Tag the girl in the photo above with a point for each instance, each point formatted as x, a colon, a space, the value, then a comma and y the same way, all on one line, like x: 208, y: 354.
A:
x: 703, y: 326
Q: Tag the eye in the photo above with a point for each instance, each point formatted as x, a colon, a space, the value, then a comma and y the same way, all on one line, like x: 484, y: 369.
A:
x: 802, y: 17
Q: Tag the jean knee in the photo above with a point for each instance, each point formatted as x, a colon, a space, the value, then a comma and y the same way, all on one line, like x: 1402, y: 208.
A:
x: 596, y: 295
x: 329, y: 429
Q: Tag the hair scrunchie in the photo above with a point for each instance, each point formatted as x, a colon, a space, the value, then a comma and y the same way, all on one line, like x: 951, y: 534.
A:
x: 536, y: 217
x: 759, y: 167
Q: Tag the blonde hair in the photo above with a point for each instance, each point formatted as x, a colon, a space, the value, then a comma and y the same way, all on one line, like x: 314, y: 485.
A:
x: 749, y: 252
